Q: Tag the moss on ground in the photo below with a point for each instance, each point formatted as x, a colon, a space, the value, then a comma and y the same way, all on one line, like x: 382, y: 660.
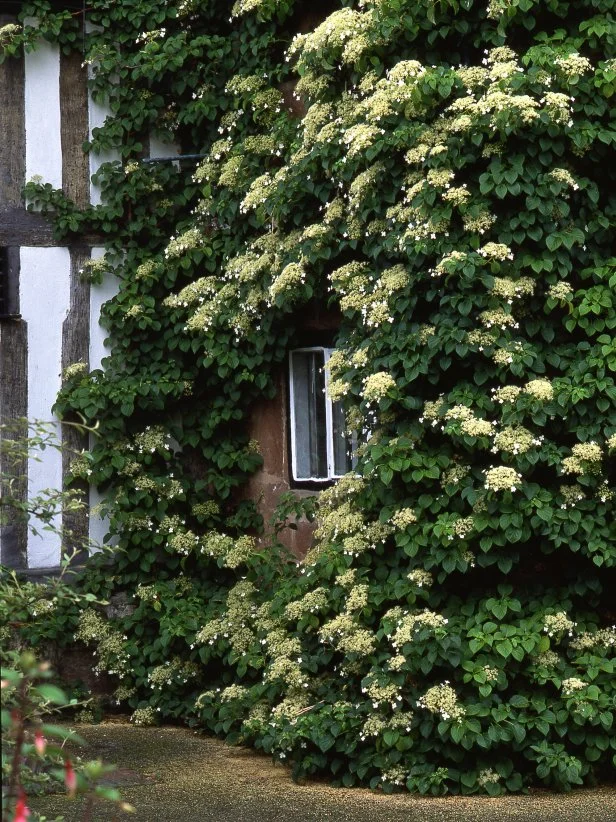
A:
x: 172, y: 774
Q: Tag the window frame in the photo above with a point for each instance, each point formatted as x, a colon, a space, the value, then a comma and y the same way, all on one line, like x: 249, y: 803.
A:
x: 9, y: 283
x: 329, y: 427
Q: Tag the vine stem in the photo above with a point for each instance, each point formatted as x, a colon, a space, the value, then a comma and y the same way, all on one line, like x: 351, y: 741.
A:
x: 19, y: 742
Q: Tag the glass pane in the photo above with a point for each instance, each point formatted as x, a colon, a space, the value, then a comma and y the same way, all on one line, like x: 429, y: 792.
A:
x: 308, y: 398
x: 342, y: 443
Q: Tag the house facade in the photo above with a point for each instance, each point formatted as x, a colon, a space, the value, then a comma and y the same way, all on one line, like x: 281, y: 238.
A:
x: 49, y: 318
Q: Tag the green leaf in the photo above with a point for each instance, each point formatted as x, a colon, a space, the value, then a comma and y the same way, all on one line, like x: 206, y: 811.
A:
x: 51, y: 693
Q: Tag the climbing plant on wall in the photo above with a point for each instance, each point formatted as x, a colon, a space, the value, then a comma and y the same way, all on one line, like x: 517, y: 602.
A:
x: 440, y: 171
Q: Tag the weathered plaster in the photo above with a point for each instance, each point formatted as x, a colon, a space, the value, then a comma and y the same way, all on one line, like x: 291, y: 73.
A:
x: 44, y: 302
x: 42, y: 114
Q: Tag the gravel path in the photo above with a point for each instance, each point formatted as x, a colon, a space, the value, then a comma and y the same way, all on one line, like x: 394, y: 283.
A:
x: 171, y: 774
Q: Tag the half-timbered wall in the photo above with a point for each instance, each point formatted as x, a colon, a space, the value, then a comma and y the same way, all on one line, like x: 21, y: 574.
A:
x: 49, y: 318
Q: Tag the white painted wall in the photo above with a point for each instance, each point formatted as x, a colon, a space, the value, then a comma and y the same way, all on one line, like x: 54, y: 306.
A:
x: 44, y: 291
x: 42, y: 114
x: 160, y: 149
x: 97, y: 114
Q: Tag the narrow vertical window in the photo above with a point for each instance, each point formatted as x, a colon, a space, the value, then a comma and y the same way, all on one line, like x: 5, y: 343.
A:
x: 9, y: 288
x: 320, y: 448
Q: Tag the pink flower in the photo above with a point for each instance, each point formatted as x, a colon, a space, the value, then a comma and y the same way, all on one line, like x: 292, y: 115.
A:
x: 70, y: 778
x: 40, y: 743
x: 22, y: 812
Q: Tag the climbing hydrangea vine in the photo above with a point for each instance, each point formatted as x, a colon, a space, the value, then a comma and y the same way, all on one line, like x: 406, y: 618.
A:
x: 441, y: 174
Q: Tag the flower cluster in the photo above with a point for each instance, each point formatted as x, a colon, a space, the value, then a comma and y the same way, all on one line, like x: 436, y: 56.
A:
x: 209, y: 508
x: 558, y: 624
x: 408, y: 625
x: 94, y: 269
x: 80, y: 466
x: 498, y: 318
x: 560, y: 291
x: 289, y: 279
x: 496, y: 251
x: 502, y: 478
x: 376, y: 386
x: 174, y: 672
x: 541, y: 390
x: 43, y: 606
x: 571, y: 495
x: 377, y: 724
x: 357, y: 598
x: 146, y: 593
x: 573, y: 64
x: 144, y: 716
x: 420, y: 578
x: 110, y: 643
x: 463, y: 526
x: 491, y: 674
x: 515, y: 440
x: 442, y: 700
x: 183, y: 543
x: 8, y: 31
x: 564, y: 177
x: 123, y: 693
x: 603, y: 638
x: 345, y: 633
x: 241, y: 551
x: 74, y: 370
x: 508, y: 393
x: 311, y: 603
x: 487, y: 777
x: 403, y: 517
x: 585, y: 457
x: 547, y: 659
x: 571, y: 685
x: 178, y: 246
x: 381, y: 691
x: 454, y: 475
x: 474, y: 427
x: 431, y: 411
x: 512, y: 289
x: 151, y: 440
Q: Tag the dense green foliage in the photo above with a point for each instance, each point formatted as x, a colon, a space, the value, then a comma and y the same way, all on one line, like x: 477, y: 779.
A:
x: 442, y: 173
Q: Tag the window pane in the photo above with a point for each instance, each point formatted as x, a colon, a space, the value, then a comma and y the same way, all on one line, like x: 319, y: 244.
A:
x: 310, y: 429
x: 342, y: 443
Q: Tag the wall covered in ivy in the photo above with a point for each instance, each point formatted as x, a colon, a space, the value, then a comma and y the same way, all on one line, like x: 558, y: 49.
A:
x: 442, y: 173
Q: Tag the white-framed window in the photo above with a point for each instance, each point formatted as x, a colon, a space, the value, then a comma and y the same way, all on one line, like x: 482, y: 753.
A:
x: 320, y: 448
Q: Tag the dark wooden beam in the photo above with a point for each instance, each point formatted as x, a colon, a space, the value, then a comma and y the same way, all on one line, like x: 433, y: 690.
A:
x: 13, y: 406
x: 13, y: 332
x: 19, y: 227
x: 12, y: 129
x: 74, y: 128
x: 76, y: 348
